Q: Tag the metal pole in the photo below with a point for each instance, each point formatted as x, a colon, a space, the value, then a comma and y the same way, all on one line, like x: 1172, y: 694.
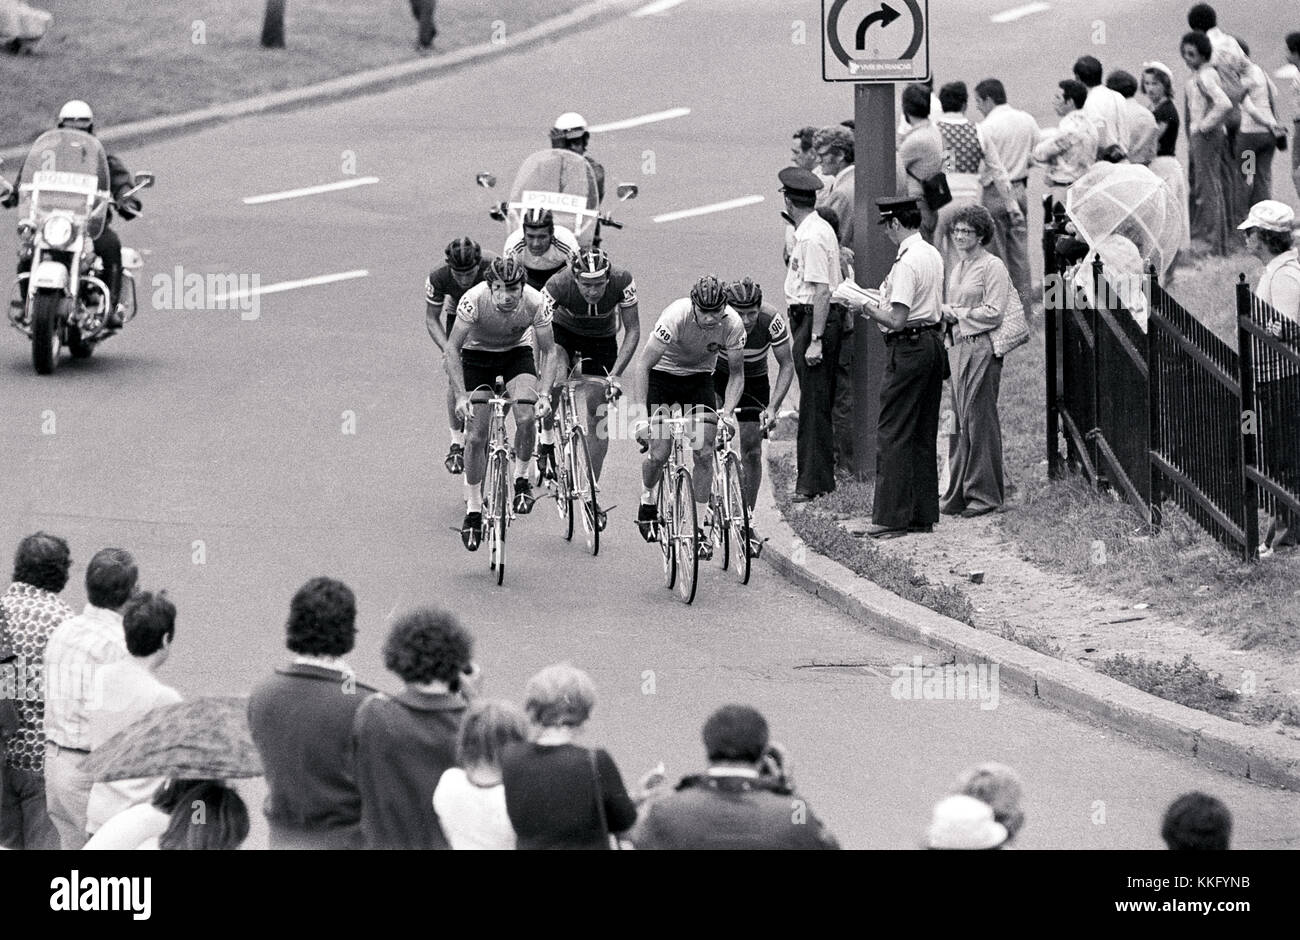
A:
x: 1054, y: 284
x: 1249, y: 436
x: 874, y: 176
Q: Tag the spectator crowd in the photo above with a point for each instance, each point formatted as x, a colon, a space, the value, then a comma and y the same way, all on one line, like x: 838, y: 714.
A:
x: 434, y: 766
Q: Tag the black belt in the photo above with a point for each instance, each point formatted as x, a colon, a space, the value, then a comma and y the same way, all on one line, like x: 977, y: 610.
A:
x: 805, y: 309
x: 913, y: 331
x: 1023, y: 181
x: 75, y: 750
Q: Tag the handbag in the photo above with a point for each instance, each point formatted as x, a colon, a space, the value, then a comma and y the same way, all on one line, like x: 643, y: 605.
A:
x: 600, y: 802
x: 1013, y: 331
x: 934, y: 190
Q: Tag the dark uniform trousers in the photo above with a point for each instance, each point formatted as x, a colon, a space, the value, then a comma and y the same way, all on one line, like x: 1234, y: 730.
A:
x: 842, y: 418
x: 907, y: 458
x: 815, y: 451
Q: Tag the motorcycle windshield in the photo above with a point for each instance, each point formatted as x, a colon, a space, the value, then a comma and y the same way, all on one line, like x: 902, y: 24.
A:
x: 559, y: 180
x: 65, y: 171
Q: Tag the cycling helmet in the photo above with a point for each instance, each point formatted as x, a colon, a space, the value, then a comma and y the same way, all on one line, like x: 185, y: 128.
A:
x: 539, y: 218
x: 464, y: 254
x: 505, y: 271
x: 590, y: 264
x: 78, y: 114
x: 744, y: 293
x: 709, y: 294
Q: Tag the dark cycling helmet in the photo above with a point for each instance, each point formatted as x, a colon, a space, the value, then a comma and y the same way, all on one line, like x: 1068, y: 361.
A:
x: 464, y: 254
x: 506, y: 271
x: 709, y: 294
x: 590, y: 264
x: 744, y: 293
x: 539, y: 218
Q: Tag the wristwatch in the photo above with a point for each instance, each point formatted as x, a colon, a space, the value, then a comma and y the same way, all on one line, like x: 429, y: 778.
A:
x: 815, y: 338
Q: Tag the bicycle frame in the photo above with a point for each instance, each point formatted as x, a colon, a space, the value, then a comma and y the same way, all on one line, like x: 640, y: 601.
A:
x: 678, y: 527
x: 498, y: 510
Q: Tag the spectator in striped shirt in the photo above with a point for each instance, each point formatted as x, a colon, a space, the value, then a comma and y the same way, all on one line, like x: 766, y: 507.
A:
x: 29, y: 612
x: 77, y: 649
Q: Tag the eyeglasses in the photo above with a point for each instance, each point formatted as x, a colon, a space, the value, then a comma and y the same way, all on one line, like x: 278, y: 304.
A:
x: 969, y: 232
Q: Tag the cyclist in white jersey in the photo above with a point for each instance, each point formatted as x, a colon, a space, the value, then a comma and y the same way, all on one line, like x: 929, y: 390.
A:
x: 496, y: 323
x: 676, y: 368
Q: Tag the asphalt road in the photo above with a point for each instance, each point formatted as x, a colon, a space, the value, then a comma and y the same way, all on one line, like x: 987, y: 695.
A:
x: 212, y: 446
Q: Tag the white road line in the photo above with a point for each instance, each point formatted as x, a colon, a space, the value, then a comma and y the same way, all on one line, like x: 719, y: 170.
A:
x: 291, y: 285
x: 311, y: 190
x: 705, y: 210
x: 659, y: 6
x: 638, y: 121
x: 1015, y: 13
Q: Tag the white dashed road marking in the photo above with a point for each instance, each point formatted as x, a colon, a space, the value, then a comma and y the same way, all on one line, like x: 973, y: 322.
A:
x: 291, y: 285
x: 638, y: 121
x: 659, y: 6
x: 1015, y: 13
x: 311, y: 190
x: 706, y: 210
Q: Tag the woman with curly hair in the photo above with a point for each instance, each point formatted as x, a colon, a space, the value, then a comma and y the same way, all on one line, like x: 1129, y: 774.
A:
x: 977, y: 295
x: 404, y: 742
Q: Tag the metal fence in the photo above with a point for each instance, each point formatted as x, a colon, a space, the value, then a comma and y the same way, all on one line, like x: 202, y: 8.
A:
x: 1173, y: 413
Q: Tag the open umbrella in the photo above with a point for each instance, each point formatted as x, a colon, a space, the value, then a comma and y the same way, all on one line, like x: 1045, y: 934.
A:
x: 206, y: 738
x: 1129, y: 201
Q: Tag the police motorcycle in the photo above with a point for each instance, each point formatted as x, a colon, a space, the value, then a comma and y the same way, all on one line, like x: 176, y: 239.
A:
x: 563, y: 182
x: 61, y: 300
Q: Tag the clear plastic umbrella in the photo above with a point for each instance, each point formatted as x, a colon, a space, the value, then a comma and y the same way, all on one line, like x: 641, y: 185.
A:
x: 1133, y: 203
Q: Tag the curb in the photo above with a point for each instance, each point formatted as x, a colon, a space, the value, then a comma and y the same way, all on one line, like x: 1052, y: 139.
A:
x: 1257, y: 754
x: 371, y: 81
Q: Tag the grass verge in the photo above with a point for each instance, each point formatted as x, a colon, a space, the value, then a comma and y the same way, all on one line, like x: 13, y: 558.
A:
x: 136, y: 59
x: 819, y: 531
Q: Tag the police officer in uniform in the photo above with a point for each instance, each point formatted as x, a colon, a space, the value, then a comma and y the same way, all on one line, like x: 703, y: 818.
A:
x: 815, y: 325
x: 910, y: 316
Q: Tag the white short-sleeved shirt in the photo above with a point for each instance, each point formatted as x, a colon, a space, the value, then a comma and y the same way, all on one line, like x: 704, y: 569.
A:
x: 916, y: 279
x: 689, y: 348
x: 493, y: 330
x: 130, y: 829
x: 472, y: 817
x: 815, y: 259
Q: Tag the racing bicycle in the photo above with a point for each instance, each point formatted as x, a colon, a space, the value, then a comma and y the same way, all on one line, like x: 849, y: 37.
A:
x: 677, y: 528
x: 498, y: 510
x: 574, y: 485
x: 729, y: 530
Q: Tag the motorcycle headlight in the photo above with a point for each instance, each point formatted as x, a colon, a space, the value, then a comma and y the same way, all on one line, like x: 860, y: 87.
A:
x: 58, y: 232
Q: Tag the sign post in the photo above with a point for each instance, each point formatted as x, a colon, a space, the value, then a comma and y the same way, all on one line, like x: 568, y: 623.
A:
x: 874, y: 45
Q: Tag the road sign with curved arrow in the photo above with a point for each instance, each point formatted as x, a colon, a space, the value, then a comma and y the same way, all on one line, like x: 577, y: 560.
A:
x: 874, y: 41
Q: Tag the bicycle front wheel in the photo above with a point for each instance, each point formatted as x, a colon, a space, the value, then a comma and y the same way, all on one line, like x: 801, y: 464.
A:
x: 667, y: 528
x: 500, y: 517
x: 564, y: 485
x: 687, y: 537
x: 737, y: 519
x: 584, y: 490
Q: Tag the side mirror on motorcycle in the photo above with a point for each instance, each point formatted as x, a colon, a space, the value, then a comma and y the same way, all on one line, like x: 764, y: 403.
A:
x: 144, y: 179
x: 498, y: 212
x: 486, y: 180
x: 627, y: 191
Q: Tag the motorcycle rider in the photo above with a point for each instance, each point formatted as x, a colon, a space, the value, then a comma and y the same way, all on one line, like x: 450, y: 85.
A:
x: 77, y: 115
x: 543, y: 248
x: 570, y: 133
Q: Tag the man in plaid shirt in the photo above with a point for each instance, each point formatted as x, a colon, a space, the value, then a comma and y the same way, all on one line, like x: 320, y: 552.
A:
x: 30, y: 610
x: 76, y: 651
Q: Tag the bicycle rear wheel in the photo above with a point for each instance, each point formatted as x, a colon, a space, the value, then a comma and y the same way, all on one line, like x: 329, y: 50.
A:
x: 584, y: 490
x: 686, y: 540
x: 718, y: 531
x: 736, y: 518
x: 666, y: 527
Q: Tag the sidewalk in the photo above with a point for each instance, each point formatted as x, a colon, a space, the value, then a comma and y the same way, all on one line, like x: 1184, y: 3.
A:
x: 1049, y: 632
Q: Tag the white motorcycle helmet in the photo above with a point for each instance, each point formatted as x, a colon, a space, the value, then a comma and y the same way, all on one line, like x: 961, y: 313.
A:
x: 569, y: 126
x: 77, y: 114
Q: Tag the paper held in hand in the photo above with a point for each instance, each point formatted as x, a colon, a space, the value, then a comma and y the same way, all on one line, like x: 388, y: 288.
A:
x: 852, y: 295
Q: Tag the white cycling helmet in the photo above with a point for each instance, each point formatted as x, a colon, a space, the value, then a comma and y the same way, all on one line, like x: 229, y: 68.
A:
x: 569, y: 126
x: 76, y: 111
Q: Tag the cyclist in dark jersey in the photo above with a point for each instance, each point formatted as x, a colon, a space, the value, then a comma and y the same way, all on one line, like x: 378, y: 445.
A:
x: 765, y: 330
x: 465, y: 266
x: 591, y: 299
x: 542, y: 247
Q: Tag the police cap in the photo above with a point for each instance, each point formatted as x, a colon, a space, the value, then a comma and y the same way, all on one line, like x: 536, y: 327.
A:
x: 795, y: 180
